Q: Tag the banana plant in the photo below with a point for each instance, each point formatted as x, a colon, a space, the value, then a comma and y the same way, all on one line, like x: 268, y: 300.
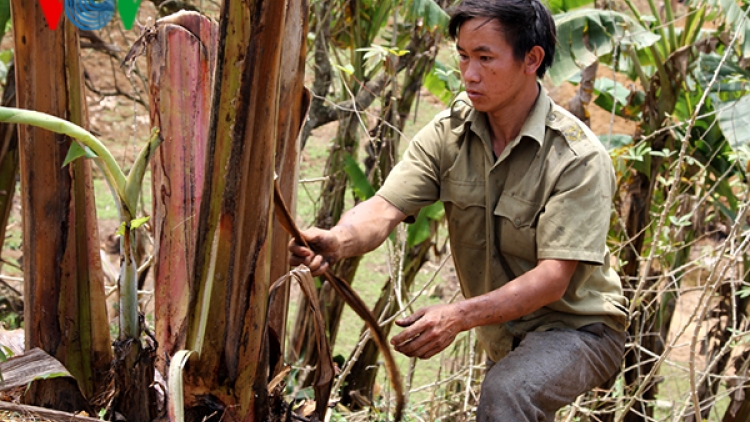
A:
x: 65, y: 308
x: 126, y: 190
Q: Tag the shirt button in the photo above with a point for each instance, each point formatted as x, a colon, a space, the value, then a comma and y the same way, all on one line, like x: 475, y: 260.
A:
x: 517, y: 221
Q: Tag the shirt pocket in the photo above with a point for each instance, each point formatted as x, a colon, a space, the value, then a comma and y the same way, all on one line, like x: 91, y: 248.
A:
x: 465, y: 210
x: 515, y: 220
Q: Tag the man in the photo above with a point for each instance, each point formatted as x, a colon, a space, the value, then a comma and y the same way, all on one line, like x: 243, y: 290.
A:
x: 527, y: 190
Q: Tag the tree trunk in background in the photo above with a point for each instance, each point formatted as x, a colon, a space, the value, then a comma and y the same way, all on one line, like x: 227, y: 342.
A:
x: 231, y: 272
x: 634, y: 209
x: 383, y: 150
x: 361, y: 378
x: 738, y: 408
x: 719, y: 333
x: 63, y: 282
x: 181, y: 63
x: 332, y: 207
x: 579, y: 104
x: 294, y: 101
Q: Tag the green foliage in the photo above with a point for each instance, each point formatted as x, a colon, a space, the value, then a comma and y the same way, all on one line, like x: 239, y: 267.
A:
x: 126, y: 190
x: 4, y: 17
x: 732, y: 17
x: 133, y: 224
x: 5, y: 354
x: 603, y: 28
x: 377, y: 56
x: 433, y: 16
x: 6, y: 58
x: 616, y: 140
x: 77, y: 151
x: 613, y: 96
x: 561, y: 6
x: 443, y: 81
x: 360, y: 185
x: 421, y: 229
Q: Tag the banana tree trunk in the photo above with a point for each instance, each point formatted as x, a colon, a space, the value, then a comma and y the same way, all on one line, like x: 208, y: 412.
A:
x: 64, y: 287
x: 294, y: 102
x: 231, y: 272
x: 738, y: 409
x: 719, y: 335
x: 322, y: 69
x: 181, y: 64
x: 8, y: 157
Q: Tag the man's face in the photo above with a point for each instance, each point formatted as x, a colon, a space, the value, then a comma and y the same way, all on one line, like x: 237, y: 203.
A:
x: 493, y: 77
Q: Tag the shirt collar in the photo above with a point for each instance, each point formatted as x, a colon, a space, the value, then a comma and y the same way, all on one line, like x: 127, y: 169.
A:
x: 534, y: 127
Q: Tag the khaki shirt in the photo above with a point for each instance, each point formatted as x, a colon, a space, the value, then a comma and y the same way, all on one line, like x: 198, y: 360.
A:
x: 548, y: 196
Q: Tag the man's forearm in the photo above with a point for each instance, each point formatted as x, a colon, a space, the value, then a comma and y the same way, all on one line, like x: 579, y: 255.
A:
x: 364, y: 227
x: 539, y: 287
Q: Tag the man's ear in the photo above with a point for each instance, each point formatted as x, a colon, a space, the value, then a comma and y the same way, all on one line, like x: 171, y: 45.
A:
x: 533, y: 60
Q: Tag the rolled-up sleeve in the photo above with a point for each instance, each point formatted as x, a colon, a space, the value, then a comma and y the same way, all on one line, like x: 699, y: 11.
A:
x: 575, y: 221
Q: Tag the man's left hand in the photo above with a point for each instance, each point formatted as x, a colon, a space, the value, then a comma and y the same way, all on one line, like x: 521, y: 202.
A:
x: 429, y: 330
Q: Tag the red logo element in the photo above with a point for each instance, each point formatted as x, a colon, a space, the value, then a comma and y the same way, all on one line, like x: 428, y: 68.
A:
x: 52, y: 11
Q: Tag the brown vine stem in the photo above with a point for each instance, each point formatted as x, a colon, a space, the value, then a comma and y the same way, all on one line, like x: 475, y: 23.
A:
x: 351, y: 298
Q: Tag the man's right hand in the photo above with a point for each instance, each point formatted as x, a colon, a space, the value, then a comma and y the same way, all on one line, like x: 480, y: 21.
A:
x: 325, y: 250
x: 360, y: 230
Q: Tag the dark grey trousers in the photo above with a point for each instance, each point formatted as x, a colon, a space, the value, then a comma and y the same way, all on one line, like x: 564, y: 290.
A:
x: 547, y: 371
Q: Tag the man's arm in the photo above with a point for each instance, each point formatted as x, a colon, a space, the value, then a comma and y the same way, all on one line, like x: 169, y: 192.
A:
x: 432, y: 329
x: 360, y: 230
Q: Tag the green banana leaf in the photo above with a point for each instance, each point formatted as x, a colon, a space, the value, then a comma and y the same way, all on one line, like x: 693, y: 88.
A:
x: 734, y: 119
x: 430, y: 12
x: 728, y: 96
x: 612, y: 95
x: 602, y: 27
x: 731, y: 13
x: 616, y: 140
x: 560, y: 6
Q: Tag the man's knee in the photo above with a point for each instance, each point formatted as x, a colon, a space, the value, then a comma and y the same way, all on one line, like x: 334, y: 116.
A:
x: 507, y: 398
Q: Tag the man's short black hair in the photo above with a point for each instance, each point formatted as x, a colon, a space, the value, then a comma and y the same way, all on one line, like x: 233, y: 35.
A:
x: 525, y: 23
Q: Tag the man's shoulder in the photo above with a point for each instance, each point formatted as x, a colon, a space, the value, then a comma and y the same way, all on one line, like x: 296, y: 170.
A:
x: 576, y: 134
x: 456, y: 115
x: 460, y: 108
x: 449, y: 124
